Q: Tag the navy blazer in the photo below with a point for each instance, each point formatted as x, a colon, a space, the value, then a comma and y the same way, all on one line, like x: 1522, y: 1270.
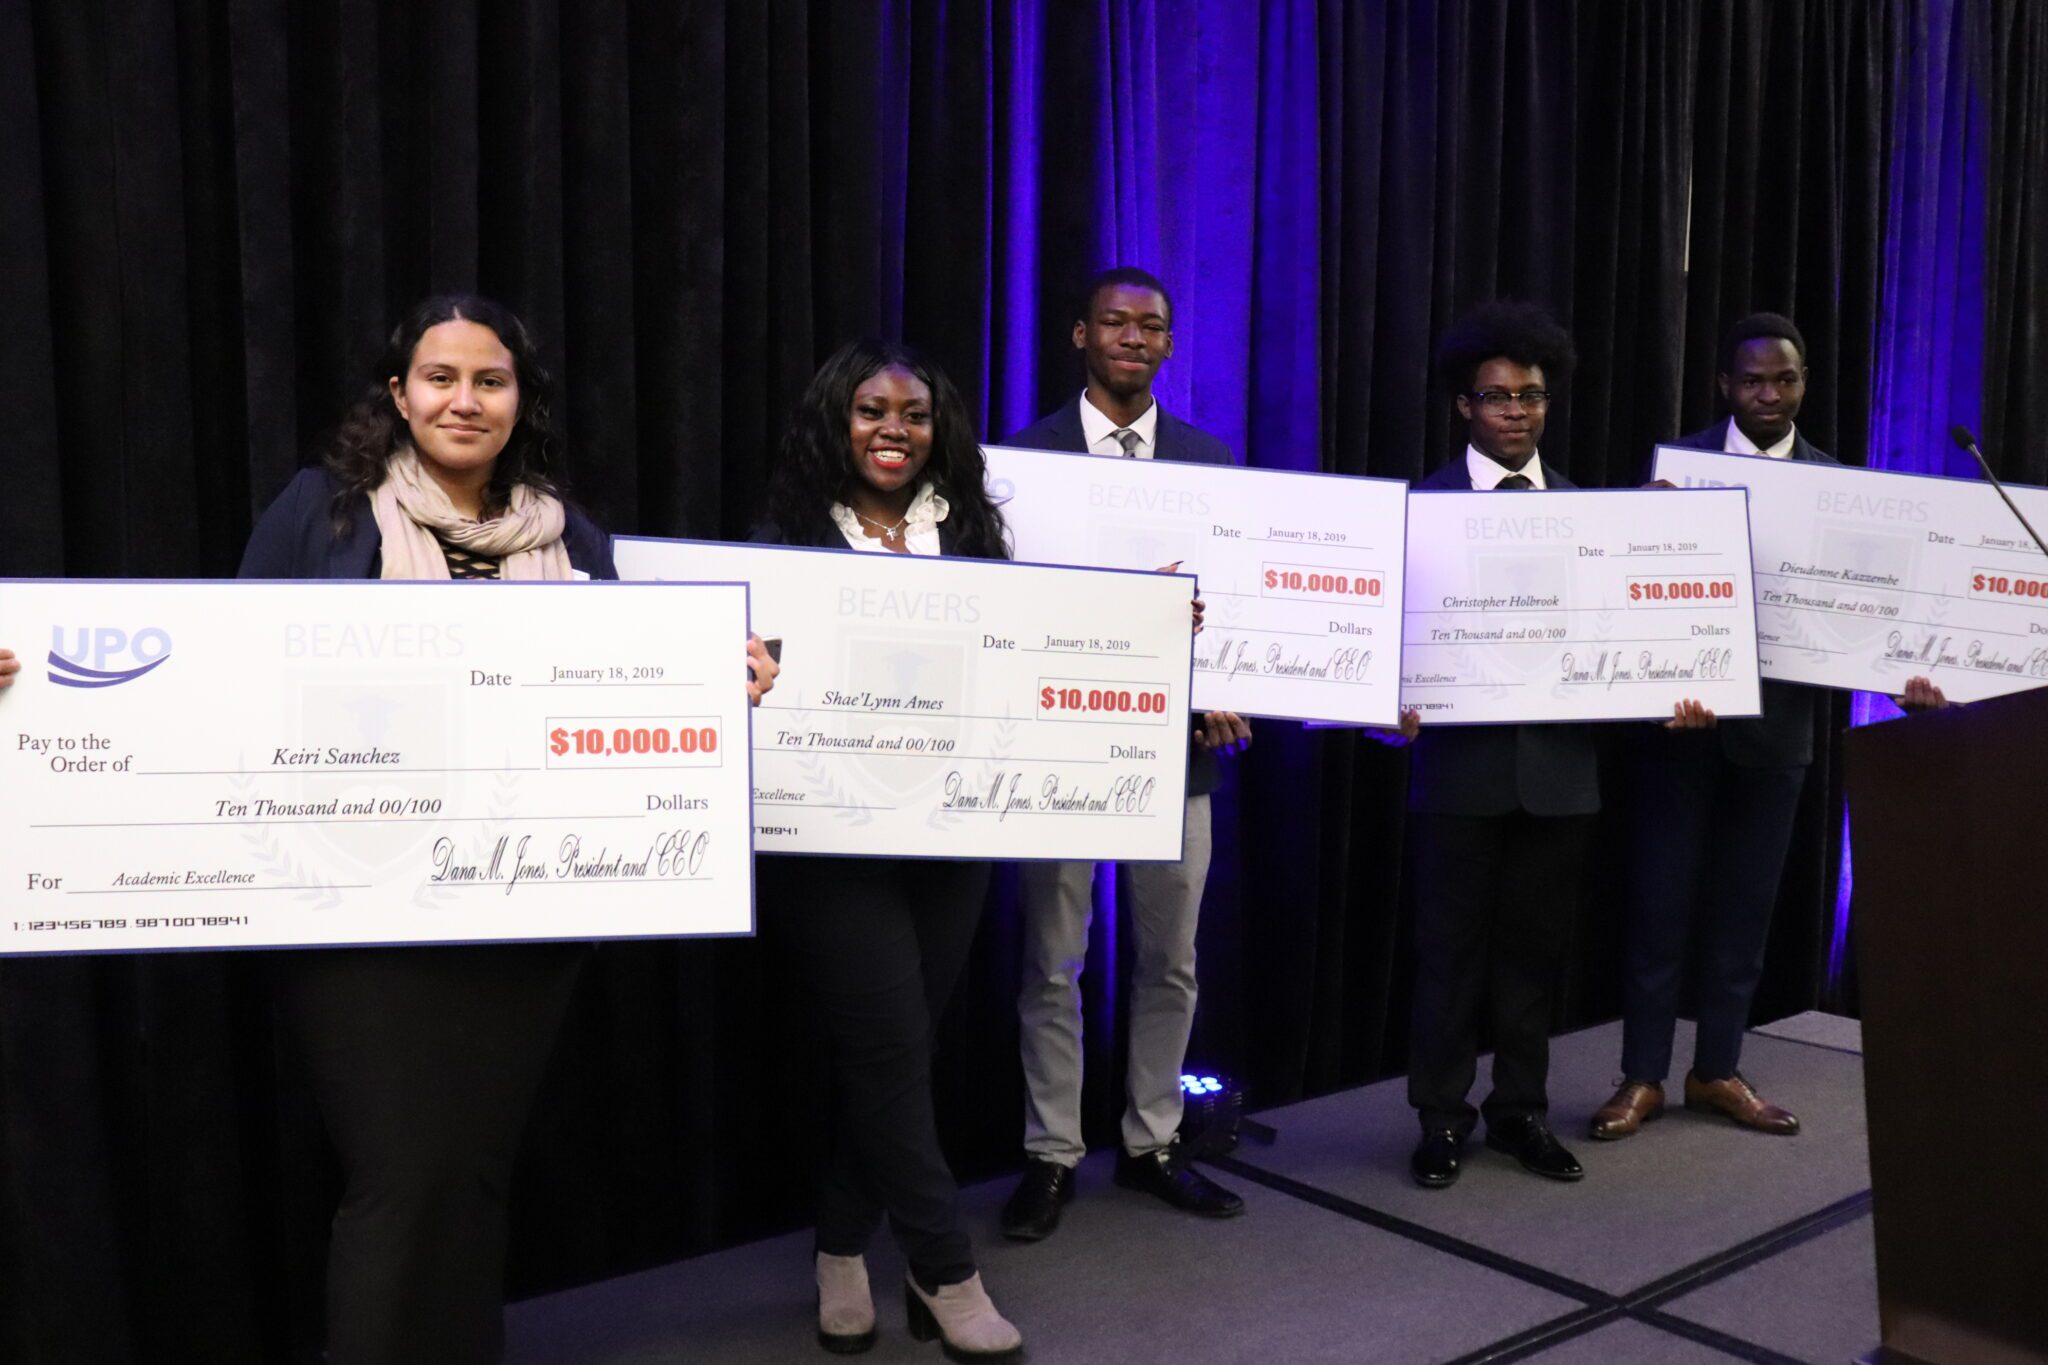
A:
x: 1783, y: 736
x: 1172, y: 439
x: 1496, y: 769
x: 295, y: 537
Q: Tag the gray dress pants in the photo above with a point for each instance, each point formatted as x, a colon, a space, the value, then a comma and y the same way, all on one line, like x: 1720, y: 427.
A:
x: 1165, y: 902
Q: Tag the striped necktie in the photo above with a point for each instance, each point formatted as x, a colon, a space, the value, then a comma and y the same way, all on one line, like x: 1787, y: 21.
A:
x: 1128, y: 439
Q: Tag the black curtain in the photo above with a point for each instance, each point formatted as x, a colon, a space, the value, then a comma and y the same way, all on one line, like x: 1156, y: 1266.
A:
x: 1474, y: 150
x: 211, y: 210
x: 1792, y: 144
x: 2010, y: 49
x: 1651, y: 174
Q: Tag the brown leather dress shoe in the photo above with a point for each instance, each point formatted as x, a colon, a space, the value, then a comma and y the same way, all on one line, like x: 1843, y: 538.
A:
x: 1734, y: 1098
x: 1635, y: 1104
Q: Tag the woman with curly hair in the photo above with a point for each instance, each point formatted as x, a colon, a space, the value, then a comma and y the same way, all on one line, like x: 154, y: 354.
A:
x: 881, y: 457
x: 424, y: 1060
x: 881, y: 447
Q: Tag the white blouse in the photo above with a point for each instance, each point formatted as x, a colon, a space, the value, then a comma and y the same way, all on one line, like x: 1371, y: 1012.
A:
x: 920, y: 524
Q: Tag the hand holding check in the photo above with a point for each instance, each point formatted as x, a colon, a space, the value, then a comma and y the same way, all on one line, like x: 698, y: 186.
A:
x: 1921, y: 694
x: 1224, y: 732
x: 761, y: 670
x: 1175, y: 568
x: 1404, y: 735
x: 1690, y: 715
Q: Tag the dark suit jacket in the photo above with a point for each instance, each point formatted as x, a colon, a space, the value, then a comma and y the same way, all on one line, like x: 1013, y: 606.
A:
x: 1496, y: 769
x: 1783, y: 736
x: 295, y: 537
x: 1172, y: 439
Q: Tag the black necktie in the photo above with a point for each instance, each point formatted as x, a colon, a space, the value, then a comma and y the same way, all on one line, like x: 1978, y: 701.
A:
x: 1517, y: 482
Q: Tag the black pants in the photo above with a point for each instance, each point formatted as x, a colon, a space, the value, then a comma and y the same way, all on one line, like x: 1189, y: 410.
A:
x: 880, y: 943
x: 1494, y: 899
x: 1709, y: 861
x: 424, y: 1063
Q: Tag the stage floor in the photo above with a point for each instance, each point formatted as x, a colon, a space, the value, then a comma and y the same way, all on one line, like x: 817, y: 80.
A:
x: 1693, y: 1241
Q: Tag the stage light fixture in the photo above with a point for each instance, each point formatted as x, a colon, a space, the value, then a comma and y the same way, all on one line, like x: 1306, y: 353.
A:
x: 1212, y: 1116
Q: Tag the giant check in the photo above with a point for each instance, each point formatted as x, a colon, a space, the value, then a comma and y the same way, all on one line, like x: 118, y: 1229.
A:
x: 1301, y: 573
x: 1867, y: 577
x: 1609, y: 604
x: 212, y: 765
x: 959, y: 708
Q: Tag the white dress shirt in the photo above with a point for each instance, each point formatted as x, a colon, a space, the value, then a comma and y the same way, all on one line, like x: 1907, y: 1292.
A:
x: 1100, y: 432
x: 920, y: 524
x: 1735, y: 443
x: 1487, y: 472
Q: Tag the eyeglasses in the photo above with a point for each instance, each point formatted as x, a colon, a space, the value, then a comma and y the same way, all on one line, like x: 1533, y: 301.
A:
x: 1495, y: 400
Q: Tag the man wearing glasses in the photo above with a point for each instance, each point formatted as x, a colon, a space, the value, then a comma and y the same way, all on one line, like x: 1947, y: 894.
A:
x: 1499, y: 815
x: 1720, y: 811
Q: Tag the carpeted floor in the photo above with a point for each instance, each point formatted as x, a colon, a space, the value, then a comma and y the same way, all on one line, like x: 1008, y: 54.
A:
x: 1692, y: 1242
x: 1825, y: 1030
x: 1683, y: 1188
x: 1807, y: 1302
x: 1626, y: 1342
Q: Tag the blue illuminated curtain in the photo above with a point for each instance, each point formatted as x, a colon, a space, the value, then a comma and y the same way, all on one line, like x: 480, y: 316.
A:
x: 1178, y: 135
x: 1930, y: 334
x: 1931, y: 324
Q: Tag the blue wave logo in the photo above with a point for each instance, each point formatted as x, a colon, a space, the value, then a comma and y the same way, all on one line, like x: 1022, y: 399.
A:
x: 85, y: 660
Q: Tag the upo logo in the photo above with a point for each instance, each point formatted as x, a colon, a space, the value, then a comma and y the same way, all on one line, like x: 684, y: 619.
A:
x: 84, y: 663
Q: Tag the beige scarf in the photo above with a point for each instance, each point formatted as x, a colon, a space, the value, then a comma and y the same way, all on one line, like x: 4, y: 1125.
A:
x: 414, y: 516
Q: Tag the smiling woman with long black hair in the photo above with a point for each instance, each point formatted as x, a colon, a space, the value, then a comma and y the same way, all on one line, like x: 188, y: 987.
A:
x: 881, y: 456
x: 424, y: 1060
x: 881, y: 447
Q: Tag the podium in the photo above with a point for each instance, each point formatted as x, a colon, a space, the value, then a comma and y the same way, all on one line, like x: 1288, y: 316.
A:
x: 1948, y: 816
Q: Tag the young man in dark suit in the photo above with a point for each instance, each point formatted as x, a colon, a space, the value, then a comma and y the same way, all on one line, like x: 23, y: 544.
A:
x: 1124, y: 333
x: 1717, y: 810
x: 1499, y: 815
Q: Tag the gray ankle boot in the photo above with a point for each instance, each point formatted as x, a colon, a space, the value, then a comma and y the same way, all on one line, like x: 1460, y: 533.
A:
x: 964, y: 1320
x: 846, y: 1310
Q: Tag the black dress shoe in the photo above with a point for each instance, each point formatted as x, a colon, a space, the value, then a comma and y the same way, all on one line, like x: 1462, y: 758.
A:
x: 1165, y: 1174
x: 1435, y: 1163
x: 1034, y: 1209
x: 1528, y: 1139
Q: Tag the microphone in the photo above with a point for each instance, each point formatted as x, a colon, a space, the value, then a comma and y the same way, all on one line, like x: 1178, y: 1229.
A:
x: 1964, y: 439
